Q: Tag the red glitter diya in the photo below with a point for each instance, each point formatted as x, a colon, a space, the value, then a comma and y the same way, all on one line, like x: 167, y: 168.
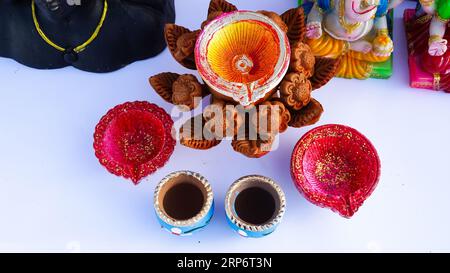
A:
x: 337, y: 167
x: 134, y: 139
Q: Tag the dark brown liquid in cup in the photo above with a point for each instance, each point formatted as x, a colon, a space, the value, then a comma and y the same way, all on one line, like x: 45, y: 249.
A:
x: 255, y: 205
x: 183, y: 201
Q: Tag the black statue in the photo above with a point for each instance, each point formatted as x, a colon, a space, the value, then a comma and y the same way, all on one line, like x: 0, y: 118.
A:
x: 91, y: 35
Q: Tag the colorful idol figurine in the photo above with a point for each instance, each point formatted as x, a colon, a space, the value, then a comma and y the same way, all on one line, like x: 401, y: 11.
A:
x: 358, y: 31
x: 258, y: 71
x: 428, y: 35
x: 440, y: 12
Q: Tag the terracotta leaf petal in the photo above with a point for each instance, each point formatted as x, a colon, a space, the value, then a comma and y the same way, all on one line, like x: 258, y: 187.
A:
x: 295, y: 90
x: 172, y: 32
x: 253, y: 148
x: 223, y: 120
x: 295, y: 21
x: 181, y: 43
x: 306, y: 116
x: 192, y: 135
x: 324, y: 70
x: 187, y: 92
x: 221, y: 6
x: 162, y: 83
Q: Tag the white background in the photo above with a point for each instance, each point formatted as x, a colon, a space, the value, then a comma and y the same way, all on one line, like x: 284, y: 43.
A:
x: 55, y: 196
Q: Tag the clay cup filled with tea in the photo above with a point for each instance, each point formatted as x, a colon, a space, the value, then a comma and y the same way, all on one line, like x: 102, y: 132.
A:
x: 255, y: 206
x: 184, y: 202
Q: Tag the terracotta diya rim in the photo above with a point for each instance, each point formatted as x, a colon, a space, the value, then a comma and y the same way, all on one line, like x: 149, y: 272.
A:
x: 207, y: 205
x: 222, y: 86
x: 328, y: 200
x: 143, y: 169
x: 236, y: 220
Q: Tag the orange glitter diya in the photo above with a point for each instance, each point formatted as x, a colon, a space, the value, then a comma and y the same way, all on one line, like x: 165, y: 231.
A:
x: 242, y: 55
x: 134, y: 139
x: 337, y: 167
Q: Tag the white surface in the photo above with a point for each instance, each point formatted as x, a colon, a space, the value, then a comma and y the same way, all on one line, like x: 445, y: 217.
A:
x: 55, y: 196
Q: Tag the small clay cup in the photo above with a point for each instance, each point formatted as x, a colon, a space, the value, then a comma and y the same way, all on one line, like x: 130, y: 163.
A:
x: 184, y: 202
x: 254, y: 206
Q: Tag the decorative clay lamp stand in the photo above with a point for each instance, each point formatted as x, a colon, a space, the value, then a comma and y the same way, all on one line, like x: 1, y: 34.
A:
x: 246, y: 59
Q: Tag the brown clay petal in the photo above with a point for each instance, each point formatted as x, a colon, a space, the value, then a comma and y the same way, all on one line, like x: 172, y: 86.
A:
x: 302, y: 59
x: 221, y: 120
x: 295, y: 21
x: 162, y: 83
x: 220, y: 5
x: 324, y: 70
x: 253, y: 148
x: 179, y: 50
x: 188, y: 139
x: 308, y: 115
x: 172, y: 32
x: 274, y: 124
x: 187, y: 91
x: 295, y: 90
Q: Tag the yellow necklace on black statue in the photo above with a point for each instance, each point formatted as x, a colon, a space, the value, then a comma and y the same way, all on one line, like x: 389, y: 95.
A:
x: 70, y: 54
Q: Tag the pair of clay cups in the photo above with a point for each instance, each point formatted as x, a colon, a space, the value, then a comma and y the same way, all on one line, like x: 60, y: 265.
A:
x: 184, y: 203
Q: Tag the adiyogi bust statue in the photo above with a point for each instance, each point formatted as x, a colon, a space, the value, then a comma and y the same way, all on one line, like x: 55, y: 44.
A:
x: 91, y: 35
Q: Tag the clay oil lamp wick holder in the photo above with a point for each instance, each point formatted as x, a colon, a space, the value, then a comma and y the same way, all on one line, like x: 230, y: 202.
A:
x: 255, y: 206
x: 184, y: 202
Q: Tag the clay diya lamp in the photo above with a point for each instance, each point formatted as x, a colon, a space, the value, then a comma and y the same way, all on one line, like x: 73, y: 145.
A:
x: 254, y: 206
x: 335, y: 166
x: 248, y: 59
x: 134, y: 139
x: 242, y: 56
x: 184, y: 202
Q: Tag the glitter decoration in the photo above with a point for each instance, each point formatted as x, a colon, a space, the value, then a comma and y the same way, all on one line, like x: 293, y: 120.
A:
x: 335, y: 166
x: 134, y: 139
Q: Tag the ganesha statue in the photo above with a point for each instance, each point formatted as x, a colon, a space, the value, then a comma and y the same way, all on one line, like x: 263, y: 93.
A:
x: 357, y: 31
x: 257, y: 70
x: 428, y: 35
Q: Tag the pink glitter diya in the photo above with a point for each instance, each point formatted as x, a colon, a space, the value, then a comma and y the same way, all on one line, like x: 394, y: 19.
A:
x: 134, y: 139
x: 335, y: 166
